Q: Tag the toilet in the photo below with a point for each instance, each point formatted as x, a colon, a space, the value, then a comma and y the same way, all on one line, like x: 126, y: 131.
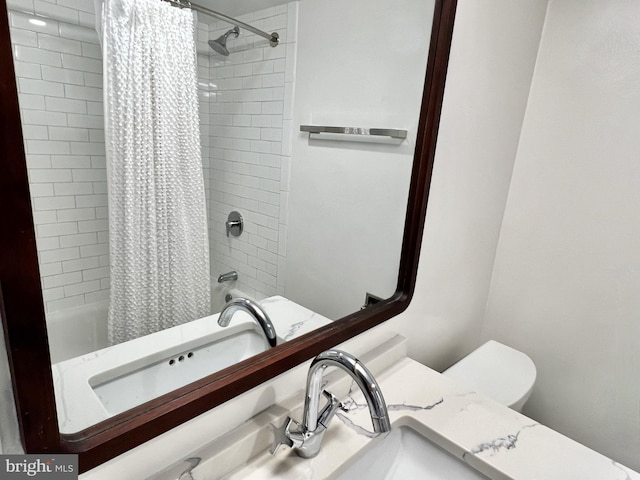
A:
x: 497, y: 371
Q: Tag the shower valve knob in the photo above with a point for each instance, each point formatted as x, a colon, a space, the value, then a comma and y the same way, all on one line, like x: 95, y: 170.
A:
x: 234, y: 224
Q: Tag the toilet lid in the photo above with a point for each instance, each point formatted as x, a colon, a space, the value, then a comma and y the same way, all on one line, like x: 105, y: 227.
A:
x: 496, y: 370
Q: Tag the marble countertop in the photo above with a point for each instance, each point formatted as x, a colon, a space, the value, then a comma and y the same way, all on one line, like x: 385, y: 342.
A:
x: 78, y: 405
x: 497, y: 441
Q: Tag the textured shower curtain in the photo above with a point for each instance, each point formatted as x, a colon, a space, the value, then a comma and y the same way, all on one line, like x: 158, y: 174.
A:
x: 159, y: 250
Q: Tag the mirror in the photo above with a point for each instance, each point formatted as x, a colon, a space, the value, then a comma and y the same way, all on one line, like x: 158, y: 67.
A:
x: 23, y: 308
x: 302, y: 203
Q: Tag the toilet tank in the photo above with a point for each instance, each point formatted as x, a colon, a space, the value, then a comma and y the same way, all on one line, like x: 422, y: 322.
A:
x: 497, y: 371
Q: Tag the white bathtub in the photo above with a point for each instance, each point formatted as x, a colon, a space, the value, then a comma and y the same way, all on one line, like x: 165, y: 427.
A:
x: 76, y: 331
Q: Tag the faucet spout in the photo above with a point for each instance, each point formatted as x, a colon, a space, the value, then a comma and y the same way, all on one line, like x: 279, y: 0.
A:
x: 256, y: 312
x: 360, y: 374
x: 307, y: 437
x: 231, y: 276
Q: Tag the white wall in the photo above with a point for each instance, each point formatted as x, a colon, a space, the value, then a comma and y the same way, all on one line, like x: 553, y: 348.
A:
x: 565, y: 287
x: 363, y: 67
x: 491, y: 65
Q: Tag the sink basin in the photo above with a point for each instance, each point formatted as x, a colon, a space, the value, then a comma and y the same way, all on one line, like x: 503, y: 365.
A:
x: 132, y: 384
x: 403, y: 454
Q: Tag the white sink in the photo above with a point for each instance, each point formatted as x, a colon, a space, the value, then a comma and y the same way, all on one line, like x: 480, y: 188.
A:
x: 405, y: 454
x: 132, y: 384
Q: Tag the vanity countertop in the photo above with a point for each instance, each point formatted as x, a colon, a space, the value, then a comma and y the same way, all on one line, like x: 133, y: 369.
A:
x: 494, y: 439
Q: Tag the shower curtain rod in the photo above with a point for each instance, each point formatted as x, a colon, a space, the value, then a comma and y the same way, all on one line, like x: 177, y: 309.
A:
x: 273, y: 37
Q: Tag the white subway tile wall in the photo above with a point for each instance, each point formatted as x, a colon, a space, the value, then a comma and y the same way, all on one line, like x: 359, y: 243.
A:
x: 250, y: 140
x: 59, y: 75
x: 245, y: 122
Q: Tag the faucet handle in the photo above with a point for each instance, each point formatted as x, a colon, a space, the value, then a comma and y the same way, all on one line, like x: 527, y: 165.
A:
x: 284, y: 436
x: 330, y: 409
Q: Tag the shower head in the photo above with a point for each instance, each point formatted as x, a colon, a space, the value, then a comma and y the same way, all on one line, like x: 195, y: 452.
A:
x: 220, y: 43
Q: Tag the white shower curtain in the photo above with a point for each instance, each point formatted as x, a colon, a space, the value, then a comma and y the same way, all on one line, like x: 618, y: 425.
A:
x: 159, y: 250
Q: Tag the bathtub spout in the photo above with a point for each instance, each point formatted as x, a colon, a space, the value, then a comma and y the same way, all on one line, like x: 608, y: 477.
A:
x: 253, y: 309
x: 228, y: 277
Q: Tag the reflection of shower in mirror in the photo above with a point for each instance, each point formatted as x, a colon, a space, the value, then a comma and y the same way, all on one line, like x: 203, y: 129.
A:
x: 220, y: 43
x: 246, y: 157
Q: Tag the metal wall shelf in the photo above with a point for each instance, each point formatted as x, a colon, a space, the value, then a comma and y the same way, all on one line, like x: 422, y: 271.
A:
x: 358, y: 131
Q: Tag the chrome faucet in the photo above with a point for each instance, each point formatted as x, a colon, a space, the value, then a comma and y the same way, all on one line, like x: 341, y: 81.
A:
x: 253, y: 309
x: 306, y: 438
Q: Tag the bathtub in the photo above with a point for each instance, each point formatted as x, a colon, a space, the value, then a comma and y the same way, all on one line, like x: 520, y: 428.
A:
x: 77, y: 331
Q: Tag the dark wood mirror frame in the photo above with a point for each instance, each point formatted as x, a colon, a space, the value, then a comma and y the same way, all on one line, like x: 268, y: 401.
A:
x: 22, y: 308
